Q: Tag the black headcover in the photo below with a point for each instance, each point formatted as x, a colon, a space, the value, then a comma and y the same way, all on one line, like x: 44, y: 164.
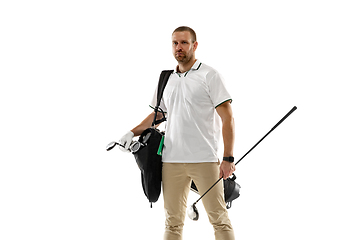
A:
x: 231, y: 190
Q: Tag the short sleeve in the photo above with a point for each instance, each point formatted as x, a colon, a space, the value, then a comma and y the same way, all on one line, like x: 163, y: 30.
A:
x: 217, y: 90
x: 154, y: 101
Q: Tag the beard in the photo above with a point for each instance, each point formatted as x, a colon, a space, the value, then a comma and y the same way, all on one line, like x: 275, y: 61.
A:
x: 183, y: 58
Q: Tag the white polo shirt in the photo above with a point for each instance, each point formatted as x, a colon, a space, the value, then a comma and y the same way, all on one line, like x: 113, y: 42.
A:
x: 193, y: 126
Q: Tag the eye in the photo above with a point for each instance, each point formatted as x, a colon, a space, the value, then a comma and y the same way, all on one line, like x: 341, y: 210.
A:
x: 175, y: 43
x: 184, y: 42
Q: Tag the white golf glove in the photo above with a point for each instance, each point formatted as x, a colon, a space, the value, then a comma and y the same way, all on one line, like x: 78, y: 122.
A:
x: 126, y: 141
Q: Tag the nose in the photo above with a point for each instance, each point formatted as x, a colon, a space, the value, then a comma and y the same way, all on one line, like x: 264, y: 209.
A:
x: 178, y: 47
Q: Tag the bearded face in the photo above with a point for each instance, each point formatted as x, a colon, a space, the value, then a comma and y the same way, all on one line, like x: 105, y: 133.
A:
x: 183, y: 47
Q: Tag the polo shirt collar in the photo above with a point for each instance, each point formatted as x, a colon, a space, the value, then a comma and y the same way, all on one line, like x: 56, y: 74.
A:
x: 196, y: 66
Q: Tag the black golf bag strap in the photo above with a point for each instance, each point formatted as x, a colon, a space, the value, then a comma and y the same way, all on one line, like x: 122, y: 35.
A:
x: 161, y: 120
x: 164, y: 77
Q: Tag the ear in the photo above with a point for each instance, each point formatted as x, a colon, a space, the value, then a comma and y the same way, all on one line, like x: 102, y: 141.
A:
x: 195, y: 45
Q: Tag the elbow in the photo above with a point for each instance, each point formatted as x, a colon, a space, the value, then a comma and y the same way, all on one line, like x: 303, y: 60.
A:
x: 227, y: 119
x: 230, y: 122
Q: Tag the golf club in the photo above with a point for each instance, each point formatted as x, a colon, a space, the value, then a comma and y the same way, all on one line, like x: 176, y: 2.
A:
x: 112, y: 145
x: 192, y: 210
x: 134, y: 146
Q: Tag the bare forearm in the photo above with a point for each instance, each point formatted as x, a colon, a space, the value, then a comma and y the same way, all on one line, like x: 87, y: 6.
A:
x: 228, y: 128
x: 228, y: 131
x: 227, y: 168
x: 145, y: 124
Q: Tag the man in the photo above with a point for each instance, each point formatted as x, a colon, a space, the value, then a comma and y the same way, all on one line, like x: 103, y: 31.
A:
x: 193, y: 99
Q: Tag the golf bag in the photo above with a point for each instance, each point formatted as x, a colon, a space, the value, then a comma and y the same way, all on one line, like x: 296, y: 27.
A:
x: 148, y: 157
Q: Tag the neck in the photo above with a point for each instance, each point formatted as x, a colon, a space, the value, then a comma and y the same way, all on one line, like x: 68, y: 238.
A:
x: 184, y: 67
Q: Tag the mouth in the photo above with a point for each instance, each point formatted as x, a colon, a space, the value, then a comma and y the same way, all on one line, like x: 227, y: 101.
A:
x: 180, y: 56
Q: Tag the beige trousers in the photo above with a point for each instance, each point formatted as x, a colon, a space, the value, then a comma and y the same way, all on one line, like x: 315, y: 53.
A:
x: 176, y: 178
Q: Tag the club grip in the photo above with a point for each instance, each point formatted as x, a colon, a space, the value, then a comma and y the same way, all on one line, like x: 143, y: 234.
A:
x: 288, y: 114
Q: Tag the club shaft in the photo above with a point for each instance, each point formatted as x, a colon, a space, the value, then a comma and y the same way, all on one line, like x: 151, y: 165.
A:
x: 208, y: 190
x: 272, y: 129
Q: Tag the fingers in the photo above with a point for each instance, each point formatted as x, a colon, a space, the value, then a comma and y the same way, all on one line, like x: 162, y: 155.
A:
x: 226, y: 172
x: 227, y: 175
x: 221, y: 174
x: 122, y: 147
x: 125, y: 141
x: 232, y: 170
x: 127, y: 144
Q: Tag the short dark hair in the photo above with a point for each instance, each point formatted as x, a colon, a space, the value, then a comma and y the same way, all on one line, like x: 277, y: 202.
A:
x: 183, y: 29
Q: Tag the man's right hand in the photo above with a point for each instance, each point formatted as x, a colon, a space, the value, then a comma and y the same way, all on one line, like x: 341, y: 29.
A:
x: 125, y: 141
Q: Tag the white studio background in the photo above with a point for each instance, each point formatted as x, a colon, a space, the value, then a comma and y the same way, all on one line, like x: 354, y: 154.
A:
x: 76, y: 75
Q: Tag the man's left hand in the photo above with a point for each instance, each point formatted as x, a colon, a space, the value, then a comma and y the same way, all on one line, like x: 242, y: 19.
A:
x: 226, y: 169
